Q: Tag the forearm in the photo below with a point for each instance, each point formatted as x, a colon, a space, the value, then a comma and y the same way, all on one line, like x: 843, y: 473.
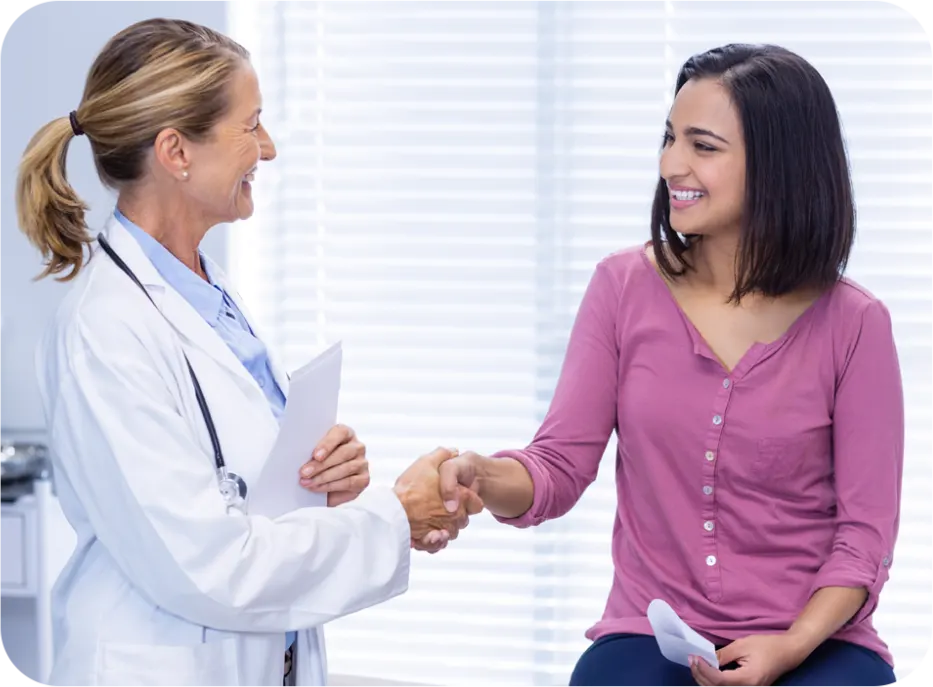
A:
x: 828, y: 610
x: 504, y: 485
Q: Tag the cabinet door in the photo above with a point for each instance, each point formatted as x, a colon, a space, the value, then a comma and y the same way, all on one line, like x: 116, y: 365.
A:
x: 17, y: 555
x: 13, y: 555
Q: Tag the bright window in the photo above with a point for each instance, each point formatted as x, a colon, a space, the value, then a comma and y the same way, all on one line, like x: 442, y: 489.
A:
x: 448, y: 176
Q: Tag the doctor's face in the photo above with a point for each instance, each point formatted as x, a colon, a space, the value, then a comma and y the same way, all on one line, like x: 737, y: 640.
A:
x: 222, y: 167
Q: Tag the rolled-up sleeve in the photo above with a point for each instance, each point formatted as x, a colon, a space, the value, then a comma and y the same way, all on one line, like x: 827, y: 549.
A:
x: 563, y: 459
x: 868, y: 456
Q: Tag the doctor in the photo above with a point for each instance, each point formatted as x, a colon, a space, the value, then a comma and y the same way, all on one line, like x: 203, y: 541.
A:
x: 162, y: 402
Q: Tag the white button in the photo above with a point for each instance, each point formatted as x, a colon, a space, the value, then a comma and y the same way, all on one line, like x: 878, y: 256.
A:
x: 711, y: 560
x: 262, y: 383
x: 725, y: 383
x: 707, y: 490
x: 710, y: 455
x: 708, y: 525
x: 717, y: 419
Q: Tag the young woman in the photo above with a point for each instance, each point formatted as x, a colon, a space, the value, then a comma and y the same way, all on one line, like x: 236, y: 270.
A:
x: 755, y: 393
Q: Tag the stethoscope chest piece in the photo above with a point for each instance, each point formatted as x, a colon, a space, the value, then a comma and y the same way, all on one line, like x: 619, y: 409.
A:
x: 233, y: 490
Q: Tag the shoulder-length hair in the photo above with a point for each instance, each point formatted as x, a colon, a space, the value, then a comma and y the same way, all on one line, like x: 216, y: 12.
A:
x: 798, y: 221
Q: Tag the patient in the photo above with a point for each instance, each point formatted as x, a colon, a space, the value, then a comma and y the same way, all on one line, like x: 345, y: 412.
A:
x: 755, y: 393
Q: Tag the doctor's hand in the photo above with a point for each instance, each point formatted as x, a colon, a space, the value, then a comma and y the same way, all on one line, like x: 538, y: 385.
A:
x: 418, y: 489
x: 338, y: 467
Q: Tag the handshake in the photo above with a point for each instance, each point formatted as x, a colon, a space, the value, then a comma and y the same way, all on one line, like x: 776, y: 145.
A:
x: 438, y: 493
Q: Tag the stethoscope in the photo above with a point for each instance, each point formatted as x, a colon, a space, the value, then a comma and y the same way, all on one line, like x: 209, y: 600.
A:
x: 232, y: 486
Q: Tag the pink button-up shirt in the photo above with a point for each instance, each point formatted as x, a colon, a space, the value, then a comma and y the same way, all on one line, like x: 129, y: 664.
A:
x: 739, y: 493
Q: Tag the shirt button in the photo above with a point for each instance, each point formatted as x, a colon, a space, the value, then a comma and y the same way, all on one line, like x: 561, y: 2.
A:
x: 710, y: 455
x: 886, y: 562
x: 725, y: 383
x: 717, y: 419
x: 707, y: 490
x: 711, y: 560
x: 262, y: 383
x: 708, y: 525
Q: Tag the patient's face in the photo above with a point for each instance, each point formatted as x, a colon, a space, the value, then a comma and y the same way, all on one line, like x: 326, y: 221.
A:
x: 703, y: 160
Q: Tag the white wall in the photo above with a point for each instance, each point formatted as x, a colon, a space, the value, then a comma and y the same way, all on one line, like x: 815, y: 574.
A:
x: 44, y: 61
x: 43, y: 64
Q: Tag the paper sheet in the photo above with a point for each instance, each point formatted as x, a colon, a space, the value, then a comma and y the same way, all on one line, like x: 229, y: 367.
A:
x: 676, y: 639
x: 310, y: 411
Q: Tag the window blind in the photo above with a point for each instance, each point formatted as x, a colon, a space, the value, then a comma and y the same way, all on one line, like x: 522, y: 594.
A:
x: 448, y: 176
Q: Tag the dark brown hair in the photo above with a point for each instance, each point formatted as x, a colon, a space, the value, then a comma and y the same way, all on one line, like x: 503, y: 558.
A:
x: 798, y: 221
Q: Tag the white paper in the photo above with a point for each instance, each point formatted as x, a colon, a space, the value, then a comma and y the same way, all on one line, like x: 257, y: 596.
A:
x: 310, y: 411
x: 676, y: 639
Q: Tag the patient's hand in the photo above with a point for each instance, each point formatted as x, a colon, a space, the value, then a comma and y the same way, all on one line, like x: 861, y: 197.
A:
x: 418, y: 488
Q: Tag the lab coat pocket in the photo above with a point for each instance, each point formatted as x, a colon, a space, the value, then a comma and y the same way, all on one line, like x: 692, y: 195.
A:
x: 208, y: 663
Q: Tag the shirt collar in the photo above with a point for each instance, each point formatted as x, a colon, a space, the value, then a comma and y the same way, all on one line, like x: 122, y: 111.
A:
x: 205, y: 298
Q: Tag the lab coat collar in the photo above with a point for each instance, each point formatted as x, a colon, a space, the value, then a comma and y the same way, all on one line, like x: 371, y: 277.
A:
x: 187, y: 322
x: 275, y: 364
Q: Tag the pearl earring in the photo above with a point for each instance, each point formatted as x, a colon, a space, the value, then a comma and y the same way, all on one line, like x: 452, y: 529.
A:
x: 184, y: 174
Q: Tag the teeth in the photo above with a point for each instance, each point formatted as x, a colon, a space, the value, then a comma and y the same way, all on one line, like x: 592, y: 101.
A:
x: 687, y: 195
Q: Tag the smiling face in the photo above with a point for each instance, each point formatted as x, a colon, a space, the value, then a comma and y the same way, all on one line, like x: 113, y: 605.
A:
x: 222, y: 167
x: 703, y: 161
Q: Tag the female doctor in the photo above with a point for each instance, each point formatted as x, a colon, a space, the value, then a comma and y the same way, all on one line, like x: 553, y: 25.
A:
x: 162, y: 402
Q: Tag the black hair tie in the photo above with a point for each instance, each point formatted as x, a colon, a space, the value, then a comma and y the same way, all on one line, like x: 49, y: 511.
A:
x: 75, y: 127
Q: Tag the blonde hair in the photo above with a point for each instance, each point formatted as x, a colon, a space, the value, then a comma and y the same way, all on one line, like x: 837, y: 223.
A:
x: 153, y: 75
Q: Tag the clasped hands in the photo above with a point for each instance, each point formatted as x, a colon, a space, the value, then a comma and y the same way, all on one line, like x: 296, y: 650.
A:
x: 438, y: 493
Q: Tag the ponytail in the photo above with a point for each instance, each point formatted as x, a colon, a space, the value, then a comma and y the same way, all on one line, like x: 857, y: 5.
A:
x: 50, y: 213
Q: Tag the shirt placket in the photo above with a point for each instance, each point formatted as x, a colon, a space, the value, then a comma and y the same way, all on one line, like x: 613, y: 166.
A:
x: 717, y: 423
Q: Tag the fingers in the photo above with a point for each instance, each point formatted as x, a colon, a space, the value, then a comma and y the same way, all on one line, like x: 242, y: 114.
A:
x: 336, y: 436
x: 704, y: 673
x: 343, y: 453
x: 439, y: 455
x: 472, y: 503
x: 730, y: 653
x: 432, y: 542
x: 352, y: 476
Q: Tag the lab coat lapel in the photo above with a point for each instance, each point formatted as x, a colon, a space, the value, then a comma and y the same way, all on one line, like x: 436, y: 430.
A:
x: 186, y: 321
x: 275, y: 363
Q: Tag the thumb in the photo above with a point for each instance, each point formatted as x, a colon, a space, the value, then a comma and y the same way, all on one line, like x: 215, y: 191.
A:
x: 472, y: 502
x: 729, y: 653
x: 449, y: 474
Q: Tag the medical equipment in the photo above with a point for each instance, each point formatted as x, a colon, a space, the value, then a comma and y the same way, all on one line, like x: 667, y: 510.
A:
x: 232, y: 486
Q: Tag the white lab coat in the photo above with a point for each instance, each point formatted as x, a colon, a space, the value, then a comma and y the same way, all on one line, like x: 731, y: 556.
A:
x: 165, y: 586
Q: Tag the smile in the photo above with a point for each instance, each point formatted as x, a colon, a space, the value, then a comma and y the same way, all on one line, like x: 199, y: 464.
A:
x: 686, y: 195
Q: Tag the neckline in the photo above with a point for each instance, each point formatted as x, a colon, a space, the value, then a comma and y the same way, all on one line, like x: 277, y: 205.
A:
x: 758, y: 351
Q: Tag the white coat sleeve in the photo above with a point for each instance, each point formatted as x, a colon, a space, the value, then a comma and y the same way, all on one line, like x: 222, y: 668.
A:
x: 150, y: 494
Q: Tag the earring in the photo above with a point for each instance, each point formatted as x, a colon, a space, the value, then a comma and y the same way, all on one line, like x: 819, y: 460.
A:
x: 184, y: 174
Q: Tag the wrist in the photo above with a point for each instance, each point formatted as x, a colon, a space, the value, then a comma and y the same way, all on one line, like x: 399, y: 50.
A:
x: 801, y: 643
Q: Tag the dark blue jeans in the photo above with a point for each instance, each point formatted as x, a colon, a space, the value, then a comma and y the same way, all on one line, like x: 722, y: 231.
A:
x: 624, y: 659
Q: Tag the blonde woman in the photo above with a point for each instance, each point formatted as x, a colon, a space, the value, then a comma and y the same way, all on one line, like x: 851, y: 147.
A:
x: 162, y: 401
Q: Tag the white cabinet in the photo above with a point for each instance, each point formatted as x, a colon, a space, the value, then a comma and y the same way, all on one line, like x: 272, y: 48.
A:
x: 35, y: 543
x: 18, y: 538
